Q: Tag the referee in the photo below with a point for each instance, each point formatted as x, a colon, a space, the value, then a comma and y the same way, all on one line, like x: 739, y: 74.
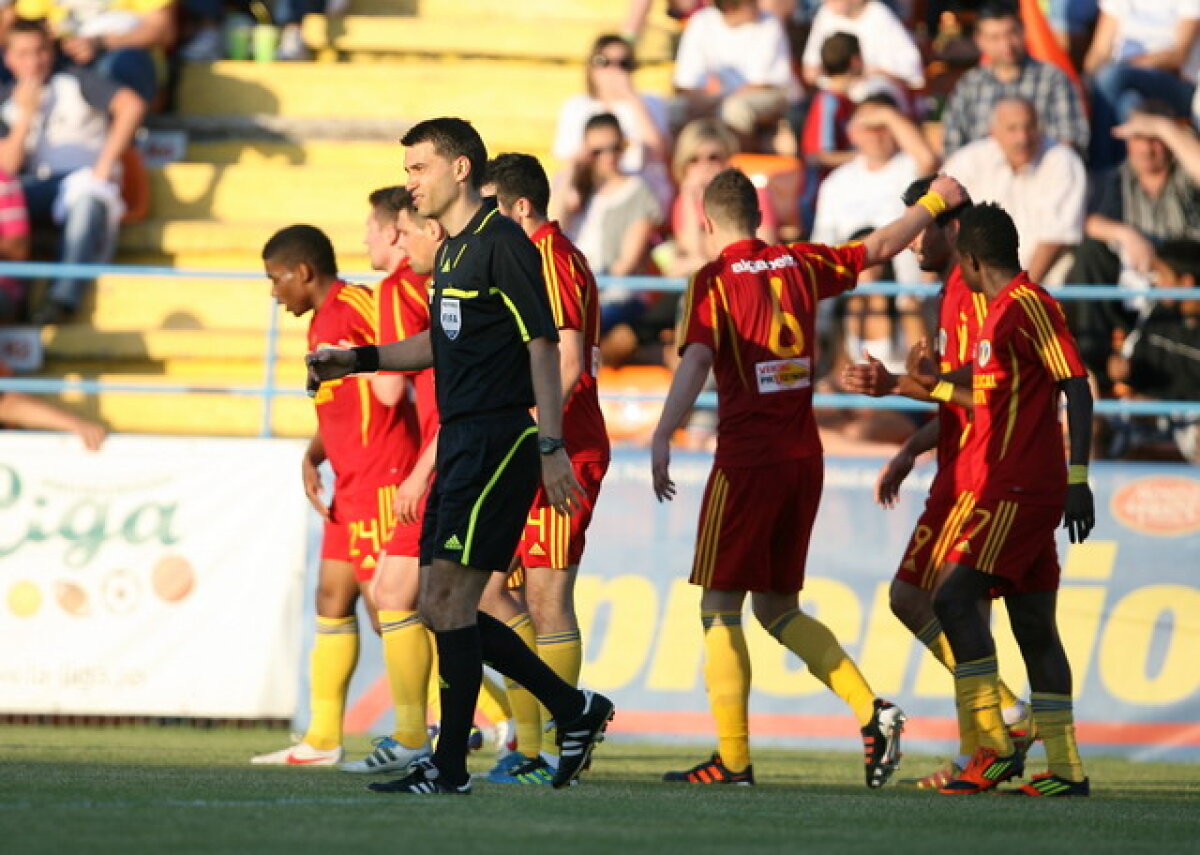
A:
x: 493, y: 347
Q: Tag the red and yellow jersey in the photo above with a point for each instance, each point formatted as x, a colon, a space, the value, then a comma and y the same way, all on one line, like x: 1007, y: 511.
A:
x: 369, y: 444
x: 402, y: 298
x: 755, y: 307
x: 960, y: 319
x: 1016, y: 443
x: 575, y: 304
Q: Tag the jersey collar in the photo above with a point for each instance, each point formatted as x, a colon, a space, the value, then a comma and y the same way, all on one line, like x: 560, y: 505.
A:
x: 742, y: 247
x: 1021, y: 279
x: 486, y: 210
x: 546, y: 229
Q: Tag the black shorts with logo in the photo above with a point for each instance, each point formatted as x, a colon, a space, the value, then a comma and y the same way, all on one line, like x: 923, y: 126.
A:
x: 488, y: 472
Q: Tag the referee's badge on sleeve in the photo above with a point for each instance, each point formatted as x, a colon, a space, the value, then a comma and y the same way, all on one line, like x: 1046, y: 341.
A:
x: 451, y: 317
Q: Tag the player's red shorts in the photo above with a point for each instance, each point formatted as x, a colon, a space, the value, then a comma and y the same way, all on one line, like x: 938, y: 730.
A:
x: 1010, y: 541
x: 406, y: 537
x: 933, y: 536
x: 359, y: 525
x: 755, y: 524
x: 557, y: 541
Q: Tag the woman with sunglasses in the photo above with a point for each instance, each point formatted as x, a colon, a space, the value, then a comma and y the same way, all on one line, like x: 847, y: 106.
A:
x: 643, y: 118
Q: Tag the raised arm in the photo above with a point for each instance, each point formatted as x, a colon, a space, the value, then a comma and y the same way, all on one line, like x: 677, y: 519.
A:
x: 412, y: 354
x: 889, y: 241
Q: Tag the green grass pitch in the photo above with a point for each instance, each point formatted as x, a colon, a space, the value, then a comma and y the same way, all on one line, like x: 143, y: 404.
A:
x: 184, y: 790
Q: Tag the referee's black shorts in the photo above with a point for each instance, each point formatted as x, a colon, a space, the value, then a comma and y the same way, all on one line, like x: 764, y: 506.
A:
x: 488, y: 472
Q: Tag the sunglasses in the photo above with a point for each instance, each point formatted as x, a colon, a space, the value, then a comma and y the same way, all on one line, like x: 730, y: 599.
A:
x: 711, y: 157
x: 625, y: 63
x: 615, y: 148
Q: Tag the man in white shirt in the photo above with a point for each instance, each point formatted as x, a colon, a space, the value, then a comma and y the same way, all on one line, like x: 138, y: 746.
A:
x: 1040, y: 182
x: 745, y: 52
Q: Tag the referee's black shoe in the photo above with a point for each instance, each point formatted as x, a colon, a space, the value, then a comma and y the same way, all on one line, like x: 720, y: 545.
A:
x: 423, y: 779
x: 577, y: 738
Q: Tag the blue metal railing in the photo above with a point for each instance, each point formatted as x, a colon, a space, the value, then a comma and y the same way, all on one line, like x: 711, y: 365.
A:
x: 269, y: 390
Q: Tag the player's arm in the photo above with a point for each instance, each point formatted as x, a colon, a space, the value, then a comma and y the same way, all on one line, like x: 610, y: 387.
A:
x: 889, y: 241
x: 388, y: 389
x: 558, y: 478
x: 412, y: 354
x: 23, y: 411
x: 892, y: 475
x: 686, y: 386
x: 413, y: 488
x: 310, y: 474
x: 571, y: 360
x: 1080, y: 515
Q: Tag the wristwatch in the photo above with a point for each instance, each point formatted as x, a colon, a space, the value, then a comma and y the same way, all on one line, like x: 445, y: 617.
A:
x: 550, y: 444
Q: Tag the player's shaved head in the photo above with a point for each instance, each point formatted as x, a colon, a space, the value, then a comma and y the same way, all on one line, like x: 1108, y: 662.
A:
x: 987, y: 233
x: 451, y: 138
x: 731, y: 202
x: 519, y: 176
x: 302, y: 244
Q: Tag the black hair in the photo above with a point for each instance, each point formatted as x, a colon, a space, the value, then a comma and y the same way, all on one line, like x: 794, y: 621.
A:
x: 302, y: 244
x: 29, y: 25
x: 920, y: 187
x: 1182, y: 256
x: 451, y: 138
x: 838, y: 52
x: 519, y: 176
x: 389, y: 201
x: 604, y: 120
x: 998, y: 10
x: 988, y: 233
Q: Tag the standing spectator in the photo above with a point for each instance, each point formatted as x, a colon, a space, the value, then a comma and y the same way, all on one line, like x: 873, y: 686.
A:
x: 1141, y: 49
x: 734, y: 62
x: 643, y: 117
x: 65, y: 135
x: 120, y: 39
x: 888, y: 48
x: 1006, y: 68
x: 1154, y: 196
x: 14, y: 246
x: 1039, y: 182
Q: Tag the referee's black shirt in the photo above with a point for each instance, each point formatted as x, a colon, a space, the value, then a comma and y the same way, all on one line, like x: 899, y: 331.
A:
x: 489, y: 300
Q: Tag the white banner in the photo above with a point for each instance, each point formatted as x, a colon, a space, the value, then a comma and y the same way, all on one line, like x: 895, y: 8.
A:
x: 160, y: 576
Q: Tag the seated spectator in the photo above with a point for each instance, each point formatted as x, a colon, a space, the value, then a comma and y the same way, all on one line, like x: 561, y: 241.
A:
x: 887, y: 46
x: 703, y: 150
x: 14, y: 246
x: 1141, y: 49
x: 1040, y: 182
x: 1154, y: 196
x: 610, y: 216
x: 733, y: 62
x: 1006, y: 68
x: 117, y: 38
x: 643, y: 117
x: 65, y: 133
x: 1160, y: 359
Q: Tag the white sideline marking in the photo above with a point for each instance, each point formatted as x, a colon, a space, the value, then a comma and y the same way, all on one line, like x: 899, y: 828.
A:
x: 194, y: 803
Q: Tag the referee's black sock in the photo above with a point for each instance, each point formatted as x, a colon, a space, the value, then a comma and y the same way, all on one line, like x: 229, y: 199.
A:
x: 460, y: 667
x: 504, y: 650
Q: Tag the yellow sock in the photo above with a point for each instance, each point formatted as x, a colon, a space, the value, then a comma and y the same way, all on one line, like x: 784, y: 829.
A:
x: 933, y: 638
x: 563, y: 652
x: 976, y: 692
x: 1007, y: 698
x: 526, y: 711
x: 407, y: 659
x: 727, y: 678
x: 1055, y: 719
x: 493, y: 701
x: 334, y: 655
x: 812, y: 641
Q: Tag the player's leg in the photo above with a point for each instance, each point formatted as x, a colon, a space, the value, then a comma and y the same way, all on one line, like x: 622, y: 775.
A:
x: 1034, y: 625
x: 550, y: 592
x: 502, y: 601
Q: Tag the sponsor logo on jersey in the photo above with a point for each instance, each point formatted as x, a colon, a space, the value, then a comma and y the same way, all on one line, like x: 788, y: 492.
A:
x: 761, y: 265
x: 782, y: 375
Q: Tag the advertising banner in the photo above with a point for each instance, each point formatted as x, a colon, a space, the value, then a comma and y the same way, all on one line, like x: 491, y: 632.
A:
x: 158, y: 577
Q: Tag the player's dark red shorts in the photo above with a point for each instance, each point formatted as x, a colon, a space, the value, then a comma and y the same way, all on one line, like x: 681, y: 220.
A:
x: 359, y: 525
x: 406, y: 537
x: 933, y: 535
x: 1010, y: 541
x: 755, y: 524
x: 557, y: 541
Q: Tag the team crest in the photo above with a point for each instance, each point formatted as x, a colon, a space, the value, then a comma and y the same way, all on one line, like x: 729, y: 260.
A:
x: 983, y: 352
x: 451, y: 317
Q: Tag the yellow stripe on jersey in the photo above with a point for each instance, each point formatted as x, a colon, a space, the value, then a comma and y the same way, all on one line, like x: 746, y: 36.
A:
x: 733, y: 336
x: 364, y: 406
x: 710, y: 534
x: 363, y: 303
x: 1014, y: 402
x: 963, y: 506
x: 1049, y: 347
x: 553, y: 285
x: 998, y: 533
x: 979, y: 302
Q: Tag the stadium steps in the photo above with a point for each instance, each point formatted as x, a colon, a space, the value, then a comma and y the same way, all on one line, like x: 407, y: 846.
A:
x: 151, y: 303
x: 79, y: 342
x: 194, y: 414
x: 241, y: 239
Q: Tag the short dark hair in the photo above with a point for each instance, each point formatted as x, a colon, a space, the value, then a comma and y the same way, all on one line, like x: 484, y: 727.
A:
x: 604, y: 120
x: 302, y: 244
x: 838, y: 52
x: 389, y: 201
x: 1182, y: 256
x: 1157, y: 107
x: 988, y: 233
x: 998, y: 10
x: 920, y: 187
x: 29, y: 25
x: 885, y: 99
x: 519, y: 176
x: 731, y: 200
x: 451, y: 138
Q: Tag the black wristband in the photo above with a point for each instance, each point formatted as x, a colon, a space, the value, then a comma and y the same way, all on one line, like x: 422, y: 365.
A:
x: 366, y: 359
